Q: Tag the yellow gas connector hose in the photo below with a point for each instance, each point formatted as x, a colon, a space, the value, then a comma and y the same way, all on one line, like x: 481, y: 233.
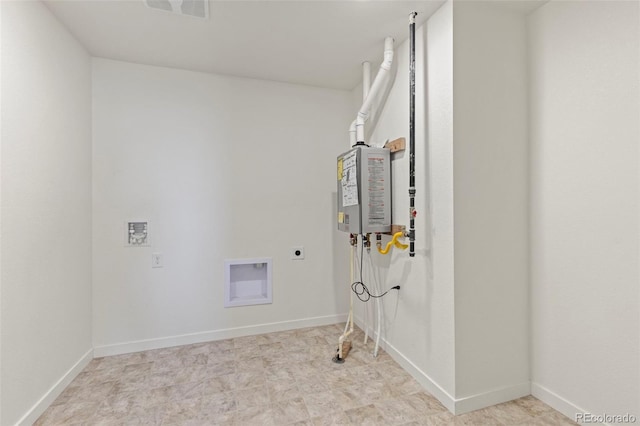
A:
x: 394, y: 241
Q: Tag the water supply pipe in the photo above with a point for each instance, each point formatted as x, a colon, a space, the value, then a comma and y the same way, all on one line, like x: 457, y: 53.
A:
x: 412, y: 131
x: 379, y: 325
x: 379, y: 309
x: 348, y: 327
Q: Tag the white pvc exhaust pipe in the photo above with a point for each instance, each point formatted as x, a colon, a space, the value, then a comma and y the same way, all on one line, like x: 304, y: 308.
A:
x: 379, y: 84
x: 366, y: 85
x: 352, y: 133
x: 366, y: 79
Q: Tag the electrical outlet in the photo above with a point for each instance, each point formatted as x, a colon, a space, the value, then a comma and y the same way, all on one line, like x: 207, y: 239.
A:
x: 297, y: 253
x: 156, y: 260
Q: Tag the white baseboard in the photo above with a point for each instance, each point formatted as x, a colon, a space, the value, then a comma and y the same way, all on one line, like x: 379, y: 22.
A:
x: 455, y: 406
x: 492, y: 397
x: 36, y: 411
x: 208, y: 336
x: 557, y: 402
x: 421, y: 377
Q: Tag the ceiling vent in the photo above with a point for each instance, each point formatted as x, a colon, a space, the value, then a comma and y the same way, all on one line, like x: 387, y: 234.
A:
x: 196, y: 8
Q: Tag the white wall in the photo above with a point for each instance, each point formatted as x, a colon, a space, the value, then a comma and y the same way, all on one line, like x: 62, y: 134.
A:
x: 46, y: 208
x: 222, y: 168
x: 1, y: 49
x: 437, y: 187
x: 419, y: 326
x: 460, y: 320
x: 490, y: 200
x: 585, y: 100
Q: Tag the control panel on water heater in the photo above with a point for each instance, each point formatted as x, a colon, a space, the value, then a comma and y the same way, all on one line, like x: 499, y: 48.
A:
x: 364, y: 190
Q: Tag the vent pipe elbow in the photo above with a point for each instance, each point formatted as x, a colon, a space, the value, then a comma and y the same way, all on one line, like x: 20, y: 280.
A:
x: 388, y: 54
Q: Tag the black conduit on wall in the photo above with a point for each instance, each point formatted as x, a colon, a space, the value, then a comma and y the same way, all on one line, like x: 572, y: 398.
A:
x: 412, y: 131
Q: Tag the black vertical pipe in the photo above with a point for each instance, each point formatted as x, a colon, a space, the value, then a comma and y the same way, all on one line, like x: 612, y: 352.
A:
x: 412, y: 131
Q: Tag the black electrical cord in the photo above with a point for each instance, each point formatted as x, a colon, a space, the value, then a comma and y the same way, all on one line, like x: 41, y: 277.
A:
x: 360, y: 289
x: 363, y: 293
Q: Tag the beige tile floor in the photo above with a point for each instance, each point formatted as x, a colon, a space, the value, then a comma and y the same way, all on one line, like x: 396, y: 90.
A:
x: 272, y: 379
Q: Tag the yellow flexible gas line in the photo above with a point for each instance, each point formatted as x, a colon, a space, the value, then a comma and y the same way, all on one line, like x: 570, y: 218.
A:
x: 394, y: 241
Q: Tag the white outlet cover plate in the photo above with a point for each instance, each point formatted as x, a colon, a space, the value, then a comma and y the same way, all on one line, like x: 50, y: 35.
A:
x: 156, y: 260
x: 295, y: 256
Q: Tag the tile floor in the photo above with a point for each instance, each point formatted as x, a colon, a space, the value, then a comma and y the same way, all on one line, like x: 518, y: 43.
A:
x: 272, y: 379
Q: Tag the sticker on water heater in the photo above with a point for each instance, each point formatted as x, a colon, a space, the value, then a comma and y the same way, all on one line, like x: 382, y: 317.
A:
x: 375, y: 165
x: 349, y: 181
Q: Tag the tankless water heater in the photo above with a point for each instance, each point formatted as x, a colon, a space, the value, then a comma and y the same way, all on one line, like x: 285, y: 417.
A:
x: 364, y: 190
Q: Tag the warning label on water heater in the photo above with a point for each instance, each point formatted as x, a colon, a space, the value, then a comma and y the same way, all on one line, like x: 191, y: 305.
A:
x: 349, y: 179
x: 377, y: 185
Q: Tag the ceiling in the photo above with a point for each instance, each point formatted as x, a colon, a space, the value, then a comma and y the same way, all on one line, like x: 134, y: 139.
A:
x: 318, y: 43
